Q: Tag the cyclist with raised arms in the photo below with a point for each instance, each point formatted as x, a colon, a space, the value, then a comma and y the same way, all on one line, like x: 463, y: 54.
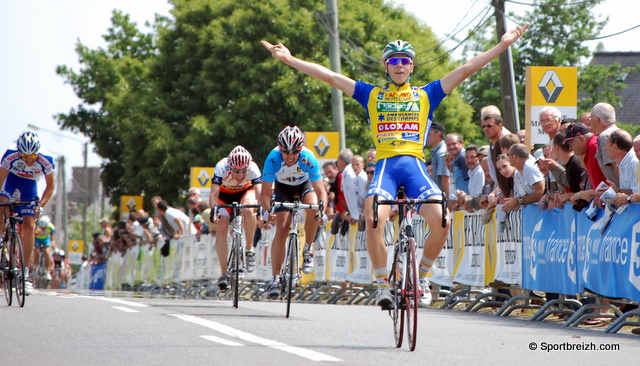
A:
x: 20, y: 170
x: 236, y: 178
x: 45, y: 238
x: 399, y: 117
x: 289, y: 170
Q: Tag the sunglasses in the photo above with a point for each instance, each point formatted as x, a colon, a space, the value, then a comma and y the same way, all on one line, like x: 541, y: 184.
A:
x: 238, y: 170
x: 33, y: 156
x: 398, y: 60
x: 487, y: 126
x: 290, y: 152
x: 370, y: 172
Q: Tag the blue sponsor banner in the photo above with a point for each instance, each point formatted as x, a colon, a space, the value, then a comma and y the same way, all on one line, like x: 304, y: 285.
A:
x: 610, y: 259
x: 549, y: 253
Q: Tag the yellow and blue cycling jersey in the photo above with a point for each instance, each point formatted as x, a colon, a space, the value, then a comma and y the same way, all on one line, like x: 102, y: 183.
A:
x: 399, y: 117
x: 400, y: 120
x: 43, y: 236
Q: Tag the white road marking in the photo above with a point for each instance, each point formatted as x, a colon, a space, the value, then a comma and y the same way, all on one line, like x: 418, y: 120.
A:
x: 222, y: 341
x: 117, y: 301
x: 126, y: 310
x: 225, y: 329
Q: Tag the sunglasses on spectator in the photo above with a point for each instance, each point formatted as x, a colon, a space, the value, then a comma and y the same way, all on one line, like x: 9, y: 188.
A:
x: 398, y: 60
x: 487, y: 126
x: 290, y: 152
x: 238, y: 170
x: 370, y: 172
x: 33, y: 156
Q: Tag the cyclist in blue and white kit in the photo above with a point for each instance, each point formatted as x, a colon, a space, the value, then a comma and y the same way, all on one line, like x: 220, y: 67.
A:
x: 46, y: 239
x: 399, y: 117
x: 20, y: 170
x: 291, y: 169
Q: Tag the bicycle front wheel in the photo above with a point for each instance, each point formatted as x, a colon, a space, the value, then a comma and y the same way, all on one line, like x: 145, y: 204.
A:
x: 397, y: 313
x: 292, y: 268
x: 18, y: 269
x: 235, y: 275
x: 7, y: 273
x: 412, y: 294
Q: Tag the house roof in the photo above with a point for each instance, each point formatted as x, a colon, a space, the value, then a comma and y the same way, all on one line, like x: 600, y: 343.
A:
x: 629, y: 111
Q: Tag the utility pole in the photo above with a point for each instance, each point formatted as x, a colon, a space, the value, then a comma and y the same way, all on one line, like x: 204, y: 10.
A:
x: 507, y: 80
x: 337, y: 109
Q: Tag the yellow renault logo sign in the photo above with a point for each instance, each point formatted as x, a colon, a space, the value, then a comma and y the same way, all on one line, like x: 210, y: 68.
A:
x: 325, y: 145
x: 550, y: 86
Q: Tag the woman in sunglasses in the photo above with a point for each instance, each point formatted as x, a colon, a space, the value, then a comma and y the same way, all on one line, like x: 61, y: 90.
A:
x: 20, y: 170
x: 236, y: 178
x: 399, y: 117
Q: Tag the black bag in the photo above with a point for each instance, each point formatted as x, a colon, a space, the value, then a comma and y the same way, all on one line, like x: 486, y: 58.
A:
x: 165, y: 248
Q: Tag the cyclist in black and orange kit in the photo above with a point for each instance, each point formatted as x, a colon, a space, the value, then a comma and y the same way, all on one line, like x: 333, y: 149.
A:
x: 399, y: 116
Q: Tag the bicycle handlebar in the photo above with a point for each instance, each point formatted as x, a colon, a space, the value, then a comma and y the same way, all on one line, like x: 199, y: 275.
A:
x: 35, y: 202
x: 234, y: 206
x: 408, y: 201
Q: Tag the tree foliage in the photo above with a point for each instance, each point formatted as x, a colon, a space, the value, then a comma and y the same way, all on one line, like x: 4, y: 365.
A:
x: 184, y: 94
x: 556, y: 37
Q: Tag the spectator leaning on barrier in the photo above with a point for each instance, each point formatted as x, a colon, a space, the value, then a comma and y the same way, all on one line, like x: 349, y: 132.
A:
x: 439, y: 171
x: 107, y: 230
x: 584, y: 144
x: 476, y: 179
x: 492, y: 128
x: 455, y: 148
x: 620, y: 149
x: 354, y: 186
x: 528, y: 180
x: 572, y: 172
x: 178, y: 220
x: 603, y: 123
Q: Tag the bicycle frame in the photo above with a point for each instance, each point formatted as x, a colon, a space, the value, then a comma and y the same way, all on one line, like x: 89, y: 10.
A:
x: 236, y: 260
x: 291, y: 268
x: 13, y: 266
x: 403, y: 277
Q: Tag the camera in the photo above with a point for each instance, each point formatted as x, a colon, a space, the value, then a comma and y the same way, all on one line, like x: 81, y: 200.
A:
x: 580, y: 205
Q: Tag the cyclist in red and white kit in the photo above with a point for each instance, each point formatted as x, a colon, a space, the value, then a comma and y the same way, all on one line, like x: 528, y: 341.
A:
x: 236, y: 178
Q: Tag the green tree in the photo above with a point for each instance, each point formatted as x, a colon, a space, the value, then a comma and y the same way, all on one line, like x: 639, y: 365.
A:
x: 556, y: 37
x: 200, y: 83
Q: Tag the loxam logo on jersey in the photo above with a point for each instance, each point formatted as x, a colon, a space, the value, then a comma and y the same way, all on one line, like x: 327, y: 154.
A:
x: 398, y: 127
x: 410, y: 106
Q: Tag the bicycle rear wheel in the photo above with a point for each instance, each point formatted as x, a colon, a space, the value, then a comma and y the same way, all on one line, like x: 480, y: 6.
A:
x: 412, y: 294
x: 397, y: 313
x: 292, y: 268
x: 7, y: 273
x: 235, y: 269
x: 18, y: 269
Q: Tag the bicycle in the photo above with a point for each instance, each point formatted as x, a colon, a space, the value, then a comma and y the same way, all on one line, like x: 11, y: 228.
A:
x: 11, y: 260
x: 236, y: 261
x: 403, y: 277
x: 39, y: 273
x: 291, y: 269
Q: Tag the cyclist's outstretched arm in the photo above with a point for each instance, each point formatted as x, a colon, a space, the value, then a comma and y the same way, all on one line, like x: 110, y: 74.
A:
x: 455, y: 77
x: 282, y: 53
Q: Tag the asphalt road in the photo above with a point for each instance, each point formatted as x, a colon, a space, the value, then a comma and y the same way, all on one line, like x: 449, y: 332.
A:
x: 68, y: 329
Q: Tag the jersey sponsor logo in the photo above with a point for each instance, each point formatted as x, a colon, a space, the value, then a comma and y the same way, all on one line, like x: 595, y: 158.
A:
x: 410, y: 106
x: 398, y: 127
x: 411, y: 136
x: 398, y: 143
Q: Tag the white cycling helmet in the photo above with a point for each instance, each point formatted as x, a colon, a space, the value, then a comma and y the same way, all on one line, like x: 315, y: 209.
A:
x: 398, y: 46
x: 28, y: 143
x: 291, y: 138
x: 44, y: 221
x: 239, y: 158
